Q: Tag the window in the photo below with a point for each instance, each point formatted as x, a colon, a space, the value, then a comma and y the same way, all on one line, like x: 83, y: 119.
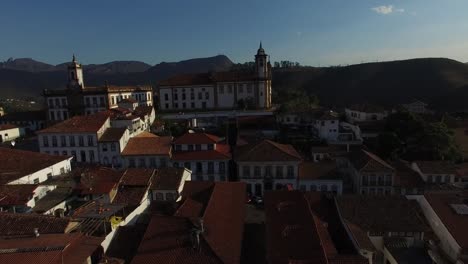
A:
x: 175, y: 165
x: 64, y: 102
x: 167, y: 106
x: 192, y: 105
x: 257, y: 171
x: 91, y: 155
x: 45, y: 141
x: 159, y: 196
x: 101, y: 101
x: 192, y: 95
x: 81, y: 141
x: 163, y: 162
x: 207, y: 95
x: 54, y: 141
x: 184, y: 105
x: 313, y: 188
x: 365, y: 180
x: 190, y: 147
x: 88, y: 102
x: 290, y: 172
x: 221, y: 89
x: 334, y: 188
x: 249, y: 88
x: 71, y: 139
x: 51, y: 102
x: 141, y: 163
x: 176, y: 105
x: 210, y: 167
x: 90, y: 141
x: 36, y: 181
x: 438, y: 178
x: 246, y: 171
x: 64, y: 153
x: 73, y: 153
x: 199, y: 168
x: 268, y: 173
x: 176, y: 97
x: 113, y: 148
x: 152, y: 162
x: 230, y: 88
x: 323, y: 188
x: 183, y: 96
x: 279, y: 172
x: 222, y: 167
x: 198, y: 147
x: 49, y: 175
x: 203, y: 105
x: 210, y: 146
x: 131, y: 163
x: 187, y: 165
x: 388, y: 180
x: 372, y: 180
x: 57, y: 102
x: 200, y: 96
x: 380, y: 180
x: 240, y: 88
x: 104, y: 147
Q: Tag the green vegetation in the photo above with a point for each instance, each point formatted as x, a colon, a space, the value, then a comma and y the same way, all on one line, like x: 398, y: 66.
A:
x: 410, y: 137
x: 296, y: 101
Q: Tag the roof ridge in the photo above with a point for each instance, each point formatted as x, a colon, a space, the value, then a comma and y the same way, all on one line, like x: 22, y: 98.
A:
x: 276, y: 145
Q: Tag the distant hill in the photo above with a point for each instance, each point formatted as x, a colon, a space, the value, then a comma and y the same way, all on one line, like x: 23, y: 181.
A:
x: 443, y: 83
x: 27, y: 78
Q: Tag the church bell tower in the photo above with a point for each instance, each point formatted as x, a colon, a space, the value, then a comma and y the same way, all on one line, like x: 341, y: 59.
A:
x: 262, y: 64
x: 75, y: 75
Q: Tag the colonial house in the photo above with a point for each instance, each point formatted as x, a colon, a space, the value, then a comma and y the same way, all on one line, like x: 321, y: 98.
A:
x: 366, y: 221
x: 147, y: 150
x: 365, y: 112
x: 111, y: 144
x: 168, y: 183
x: 446, y: 213
x: 370, y: 174
x: 206, y: 155
x: 78, y: 137
x: 27, y: 167
x: 220, y: 90
x: 267, y: 165
x: 10, y: 132
x: 79, y: 99
x: 436, y: 172
x: 322, y: 176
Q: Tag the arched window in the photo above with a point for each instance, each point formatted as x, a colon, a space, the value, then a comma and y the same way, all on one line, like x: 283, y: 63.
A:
x: 105, y: 161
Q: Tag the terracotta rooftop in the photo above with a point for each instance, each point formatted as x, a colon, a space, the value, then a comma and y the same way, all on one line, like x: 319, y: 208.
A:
x: 79, y: 124
x: 137, y: 177
x: 7, y: 126
x: 112, y: 134
x: 196, y: 138
x: 148, y: 144
x: 168, y: 238
x: 96, y: 179
x: 436, y: 167
x: 291, y: 235
x: 19, y: 163
x: 143, y: 110
x: 455, y: 223
x: 222, y: 152
x: 322, y: 170
x: 267, y: 150
x: 50, y: 248
x: 167, y: 179
x: 24, y: 224
x: 382, y: 213
x: 16, y: 194
x: 405, y: 176
x: 366, y: 161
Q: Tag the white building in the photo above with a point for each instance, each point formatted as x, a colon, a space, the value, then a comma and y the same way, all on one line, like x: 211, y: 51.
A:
x: 365, y: 112
x: 417, y: 107
x: 203, y: 154
x: 9, y: 133
x: 168, y: 183
x: 77, y: 137
x: 79, y: 99
x: 26, y: 167
x: 220, y: 90
x: 147, y: 150
x: 267, y: 166
x: 322, y: 176
x: 111, y: 144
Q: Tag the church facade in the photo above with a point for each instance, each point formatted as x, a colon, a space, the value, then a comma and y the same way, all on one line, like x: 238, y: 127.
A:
x: 78, y: 99
x: 219, y: 90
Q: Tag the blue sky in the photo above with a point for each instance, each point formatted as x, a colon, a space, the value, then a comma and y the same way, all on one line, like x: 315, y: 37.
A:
x: 313, y: 32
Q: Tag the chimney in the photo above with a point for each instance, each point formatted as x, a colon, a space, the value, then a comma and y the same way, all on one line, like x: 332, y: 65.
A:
x: 36, y: 232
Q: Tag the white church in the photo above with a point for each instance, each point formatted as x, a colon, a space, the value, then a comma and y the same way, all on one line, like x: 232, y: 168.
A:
x: 219, y: 90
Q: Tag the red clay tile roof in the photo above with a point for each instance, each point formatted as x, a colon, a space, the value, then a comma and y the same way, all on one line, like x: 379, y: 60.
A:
x: 24, y: 224
x: 7, y: 126
x: 436, y: 167
x: 137, y: 177
x: 143, y: 110
x: 112, y: 134
x: 406, y: 177
x: 224, y: 220
x: 148, y: 144
x: 16, y: 194
x: 366, y: 161
x: 168, y: 240
x: 79, y: 124
x: 167, y: 179
x: 50, y: 248
x: 220, y: 153
x: 96, y: 180
x: 290, y: 231
x: 455, y: 223
x: 318, y: 170
x: 267, y: 150
x: 360, y: 236
x: 19, y: 163
x: 196, y: 138
x: 130, y: 195
x: 382, y: 213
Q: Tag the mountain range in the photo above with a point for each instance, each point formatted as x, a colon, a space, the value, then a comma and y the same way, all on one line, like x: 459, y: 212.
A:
x: 441, y: 82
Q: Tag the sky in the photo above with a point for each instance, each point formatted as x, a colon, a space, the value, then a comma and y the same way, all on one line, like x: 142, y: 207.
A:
x: 311, y: 32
